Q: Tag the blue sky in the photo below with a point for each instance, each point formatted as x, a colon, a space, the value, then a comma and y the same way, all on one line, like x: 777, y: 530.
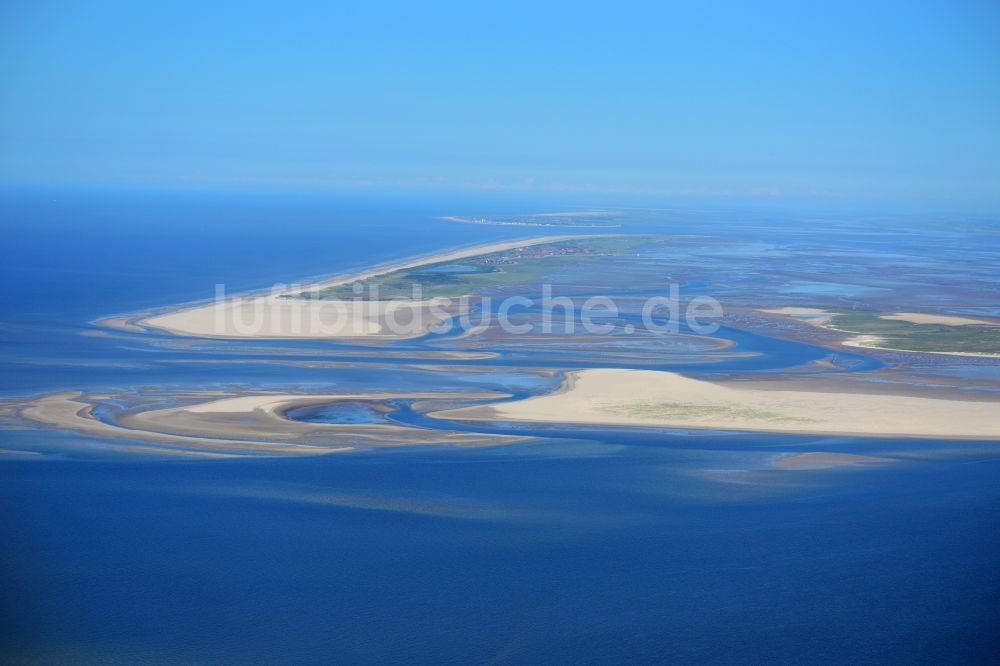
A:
x: 844, y: 100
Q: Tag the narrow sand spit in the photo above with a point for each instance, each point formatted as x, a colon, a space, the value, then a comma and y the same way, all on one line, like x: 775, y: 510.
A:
x: 250, y: 425
x: 947, y: 320
x: 272, y: 316
x: 70, y: 412
x: 819, y: 317
x: 652, y: 398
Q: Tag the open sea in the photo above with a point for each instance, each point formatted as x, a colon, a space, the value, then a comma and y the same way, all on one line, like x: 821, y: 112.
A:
x: 587, y: 546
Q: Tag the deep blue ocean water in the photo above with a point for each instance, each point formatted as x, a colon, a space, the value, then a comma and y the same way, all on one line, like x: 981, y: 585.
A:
x: 588, y: 547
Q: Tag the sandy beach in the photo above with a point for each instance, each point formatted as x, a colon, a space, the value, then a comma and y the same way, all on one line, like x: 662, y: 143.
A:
x: 928, y: 318
x: 276, y: 316
x: 652, y: 398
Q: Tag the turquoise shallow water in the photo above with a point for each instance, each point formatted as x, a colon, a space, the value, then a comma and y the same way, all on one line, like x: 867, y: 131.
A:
x: 588, y: 546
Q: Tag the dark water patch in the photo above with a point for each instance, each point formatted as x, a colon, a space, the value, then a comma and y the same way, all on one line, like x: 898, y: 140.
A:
x: 342, y: 411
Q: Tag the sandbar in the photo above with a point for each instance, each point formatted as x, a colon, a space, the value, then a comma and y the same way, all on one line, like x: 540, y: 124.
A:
x: 928, y: 318
x: 243, y: 425
x: 668, y: 399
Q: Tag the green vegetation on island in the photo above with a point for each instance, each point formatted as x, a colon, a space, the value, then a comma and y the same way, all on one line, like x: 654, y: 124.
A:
x: 453, y: 279
x: 909, y: 336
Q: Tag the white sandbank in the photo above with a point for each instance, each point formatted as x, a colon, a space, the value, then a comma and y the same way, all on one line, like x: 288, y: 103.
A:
x: 652, y: 398
x: 927, y: 318
x: 275, y: 316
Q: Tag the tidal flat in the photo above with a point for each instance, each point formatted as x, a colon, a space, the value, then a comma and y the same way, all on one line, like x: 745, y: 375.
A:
x: 132, y: 456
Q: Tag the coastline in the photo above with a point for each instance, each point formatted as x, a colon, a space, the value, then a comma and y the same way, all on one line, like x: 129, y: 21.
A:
x: 283, y: 318
x: 608, y: 397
